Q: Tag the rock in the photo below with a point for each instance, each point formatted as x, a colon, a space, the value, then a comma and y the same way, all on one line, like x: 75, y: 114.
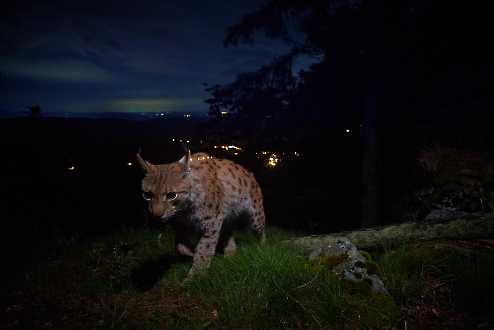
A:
x: 348, y: 263
x: 445, y: 213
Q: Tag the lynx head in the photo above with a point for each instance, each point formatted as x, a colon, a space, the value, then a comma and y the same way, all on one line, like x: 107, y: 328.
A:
x: 166, y: 187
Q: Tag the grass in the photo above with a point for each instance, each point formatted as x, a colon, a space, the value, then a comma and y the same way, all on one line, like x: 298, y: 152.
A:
x: 133, y: 280
x: 445, y: 284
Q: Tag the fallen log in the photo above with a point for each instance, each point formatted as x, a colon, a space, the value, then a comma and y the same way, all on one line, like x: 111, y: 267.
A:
x: 472, y: 226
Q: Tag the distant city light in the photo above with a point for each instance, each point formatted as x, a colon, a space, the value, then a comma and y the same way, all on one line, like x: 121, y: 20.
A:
x: 235, y: 153
x: 224, y: 113
x: 188, y: 141
x: 129, y: 164
x: 162, y: 114
x: 71, y: 168
x: 347, y: 130
x: 173, y: 140
x: 296, y: 154
x: 187, y: 115
x: 228, y: 147
x: 273, y: 160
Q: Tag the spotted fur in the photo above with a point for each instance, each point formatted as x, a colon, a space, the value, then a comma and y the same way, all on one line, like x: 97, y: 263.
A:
x: 204, y: 198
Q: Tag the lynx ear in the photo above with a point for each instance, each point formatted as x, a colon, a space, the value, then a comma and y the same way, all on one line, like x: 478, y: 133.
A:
x: 145, y: 165
x: 185, y: 160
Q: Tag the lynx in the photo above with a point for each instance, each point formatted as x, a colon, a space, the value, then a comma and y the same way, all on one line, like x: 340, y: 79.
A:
x: 203, y: 198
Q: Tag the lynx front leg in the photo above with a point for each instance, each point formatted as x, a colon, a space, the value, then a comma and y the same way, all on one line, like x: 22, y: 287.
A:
x: 205, y: 250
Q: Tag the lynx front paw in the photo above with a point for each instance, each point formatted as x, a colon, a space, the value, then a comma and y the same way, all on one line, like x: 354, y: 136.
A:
x: 184, y: 250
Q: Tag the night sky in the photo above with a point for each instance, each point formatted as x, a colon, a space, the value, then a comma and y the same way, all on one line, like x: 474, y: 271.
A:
x: 137, y: 56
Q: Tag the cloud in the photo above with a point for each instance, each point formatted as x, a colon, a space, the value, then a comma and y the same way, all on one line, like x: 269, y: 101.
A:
x: 55, y: 70
x: 129, y: 55
x: 180, y: 39
x: 157, y: 104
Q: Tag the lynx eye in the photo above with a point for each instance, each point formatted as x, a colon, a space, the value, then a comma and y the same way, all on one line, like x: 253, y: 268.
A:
x: 147, y: 195
x: 171, y: 196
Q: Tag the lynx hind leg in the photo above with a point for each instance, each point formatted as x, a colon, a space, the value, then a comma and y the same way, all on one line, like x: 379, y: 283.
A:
x: 258, y: 216
x: 231, y: 247
x: 259, y: 224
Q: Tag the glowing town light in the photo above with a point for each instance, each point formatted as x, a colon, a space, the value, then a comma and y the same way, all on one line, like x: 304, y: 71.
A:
x: 347, y: 130
x: 273, y: 160
x: 71, y: 168
x: 296, y: 154
x: 235, y: 153
x: 188, y: 141
x: 129, y: 164
x: 162, y: 114
x: 234, y: 147
x: 224, y: 113
x: 173, y: 140
x: 216, y: 147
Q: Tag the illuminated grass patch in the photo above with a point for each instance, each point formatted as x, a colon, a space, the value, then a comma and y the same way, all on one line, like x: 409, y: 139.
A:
x: 132, y: 279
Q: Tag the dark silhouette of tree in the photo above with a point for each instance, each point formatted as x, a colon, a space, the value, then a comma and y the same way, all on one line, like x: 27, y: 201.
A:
x: 254, y: 98
x: 322, y: 23
x: 388, y: 63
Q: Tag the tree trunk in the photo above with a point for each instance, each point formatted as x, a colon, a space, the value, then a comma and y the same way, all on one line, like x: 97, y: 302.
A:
x: 475, y: 226
x: 375, y: 79
x: 371, y: 178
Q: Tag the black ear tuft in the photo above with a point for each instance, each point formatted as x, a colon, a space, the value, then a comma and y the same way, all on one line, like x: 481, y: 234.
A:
x: 145, y: 165
x: 185, y: 148
x: 186, y: 159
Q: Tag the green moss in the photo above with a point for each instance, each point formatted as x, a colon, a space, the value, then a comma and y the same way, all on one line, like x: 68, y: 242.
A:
x: 373, y: 311
x: 358, y: 287
x: 328, y: 262
x: 94, y: 287
x: 372, y: 268
x: 366, y: 255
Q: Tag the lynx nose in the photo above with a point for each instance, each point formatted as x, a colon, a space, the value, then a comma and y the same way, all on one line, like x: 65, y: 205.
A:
x: 157, y: 210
